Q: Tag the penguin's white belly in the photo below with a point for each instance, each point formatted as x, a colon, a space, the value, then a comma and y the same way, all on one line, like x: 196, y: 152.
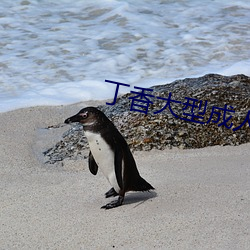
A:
x: 104, y: 157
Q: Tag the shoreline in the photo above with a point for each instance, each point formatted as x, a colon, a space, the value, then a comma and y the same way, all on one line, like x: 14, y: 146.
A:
x: 201, y: 198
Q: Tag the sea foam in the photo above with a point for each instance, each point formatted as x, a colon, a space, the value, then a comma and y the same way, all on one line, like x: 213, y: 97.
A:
x: 61, y: 52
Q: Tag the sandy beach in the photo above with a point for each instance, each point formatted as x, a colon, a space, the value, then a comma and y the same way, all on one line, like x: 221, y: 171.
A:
x: 201, y: 198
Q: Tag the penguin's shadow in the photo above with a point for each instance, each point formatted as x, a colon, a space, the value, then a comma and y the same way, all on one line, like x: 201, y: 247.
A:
x: 137, y: 198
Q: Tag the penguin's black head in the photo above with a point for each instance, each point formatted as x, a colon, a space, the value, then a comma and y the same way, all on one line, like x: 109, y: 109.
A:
x: 88, y: 117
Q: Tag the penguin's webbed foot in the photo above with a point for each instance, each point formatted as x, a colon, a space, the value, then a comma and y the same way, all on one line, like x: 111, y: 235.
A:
x: 111, y: 193
x: 113, y: 204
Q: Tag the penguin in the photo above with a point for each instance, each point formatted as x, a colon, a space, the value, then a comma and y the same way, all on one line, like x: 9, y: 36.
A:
x: 110, y: 152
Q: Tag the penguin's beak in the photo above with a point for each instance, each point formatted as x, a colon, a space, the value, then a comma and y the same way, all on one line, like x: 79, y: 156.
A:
x: 74, y: 118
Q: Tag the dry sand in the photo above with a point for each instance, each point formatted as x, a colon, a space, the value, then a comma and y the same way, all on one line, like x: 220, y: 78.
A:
x: 201, y: 201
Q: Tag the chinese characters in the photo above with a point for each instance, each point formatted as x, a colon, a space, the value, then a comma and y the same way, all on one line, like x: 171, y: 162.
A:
x: 194, y: 110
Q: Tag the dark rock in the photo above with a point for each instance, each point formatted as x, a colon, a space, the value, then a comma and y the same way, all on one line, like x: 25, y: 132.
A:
x: 163, y: 130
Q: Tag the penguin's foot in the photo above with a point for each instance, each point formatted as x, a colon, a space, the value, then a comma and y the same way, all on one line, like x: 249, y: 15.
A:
x: 111, y: 193
x: 113, y: 204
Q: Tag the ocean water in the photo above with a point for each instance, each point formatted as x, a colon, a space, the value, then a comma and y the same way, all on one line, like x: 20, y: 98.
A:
x: 61, y: 52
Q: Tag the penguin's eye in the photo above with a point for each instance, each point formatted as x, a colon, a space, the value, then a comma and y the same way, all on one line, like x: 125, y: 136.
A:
x: 84, y: 115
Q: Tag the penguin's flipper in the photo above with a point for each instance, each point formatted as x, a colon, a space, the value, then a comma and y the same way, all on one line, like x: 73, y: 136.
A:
x: 93, y: 167
x: 111, y: 193
x: 115, y: 203
x: 118, y: 166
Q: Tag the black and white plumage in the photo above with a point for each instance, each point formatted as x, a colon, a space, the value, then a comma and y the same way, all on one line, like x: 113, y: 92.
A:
x: 110, y: 152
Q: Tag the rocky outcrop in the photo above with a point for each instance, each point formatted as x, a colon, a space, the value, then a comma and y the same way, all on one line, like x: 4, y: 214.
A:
x: 208, y: 111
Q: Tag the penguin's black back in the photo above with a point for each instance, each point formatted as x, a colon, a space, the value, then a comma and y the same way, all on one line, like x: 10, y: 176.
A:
x: 132, y: 180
